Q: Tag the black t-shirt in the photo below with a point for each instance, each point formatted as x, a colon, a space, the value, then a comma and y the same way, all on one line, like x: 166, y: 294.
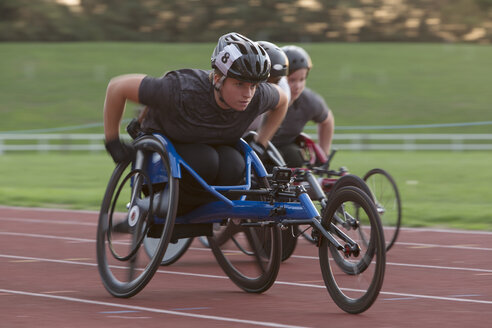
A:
x: 182, y: 106
x: 308, y: 107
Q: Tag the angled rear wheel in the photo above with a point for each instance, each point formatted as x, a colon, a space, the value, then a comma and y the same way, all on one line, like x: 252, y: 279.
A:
x: 127, y: 215
x: 249, y: 255
x: 387, y: 199
x: 174, y: 251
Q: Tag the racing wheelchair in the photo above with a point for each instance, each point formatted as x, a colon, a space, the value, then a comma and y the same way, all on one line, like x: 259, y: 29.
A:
x: 144, y: 193
x: 319, y: 180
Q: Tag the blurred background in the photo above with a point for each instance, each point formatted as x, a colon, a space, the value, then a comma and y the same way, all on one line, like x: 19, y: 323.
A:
x: 408, y: 81
x: 282, y: 21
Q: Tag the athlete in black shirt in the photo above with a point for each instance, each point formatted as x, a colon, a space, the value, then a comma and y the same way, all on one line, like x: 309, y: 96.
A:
x: 204, y: 113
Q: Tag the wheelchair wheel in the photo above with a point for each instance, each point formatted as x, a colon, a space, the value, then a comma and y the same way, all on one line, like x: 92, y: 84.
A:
x: 351, y: 219
x: 289, y: 241
x: 350, y: 180
x: 388, y: 203
x: 125, y: 218
x: 249, y: 255
x: 174, y: 251
x: 357, y: 291
x: 221, y: 234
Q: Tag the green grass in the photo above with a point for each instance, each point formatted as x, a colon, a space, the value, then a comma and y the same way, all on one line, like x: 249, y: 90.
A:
x: 52, y: 85
x: 48, y: 85
x: 440, y: 189
x: 54, y: 180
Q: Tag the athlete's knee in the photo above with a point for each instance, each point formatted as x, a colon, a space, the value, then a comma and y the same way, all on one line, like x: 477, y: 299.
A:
x: 292, y: 155
x: 203, y: 159
x: 231, y: 165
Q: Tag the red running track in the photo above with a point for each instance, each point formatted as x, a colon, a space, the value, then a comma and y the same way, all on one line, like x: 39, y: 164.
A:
x: 49, y: 278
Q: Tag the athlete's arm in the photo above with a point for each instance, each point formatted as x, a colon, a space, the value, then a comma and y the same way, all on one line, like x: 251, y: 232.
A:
x: 273, y: 119
x: 120, y: 89
x: 325, y: 132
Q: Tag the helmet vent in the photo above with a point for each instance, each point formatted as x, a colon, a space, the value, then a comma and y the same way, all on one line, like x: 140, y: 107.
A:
x: 254, y: 49
x: 248, y: 65
x: 242, y: 48
x: 265, y: 66
x: 263, y: 52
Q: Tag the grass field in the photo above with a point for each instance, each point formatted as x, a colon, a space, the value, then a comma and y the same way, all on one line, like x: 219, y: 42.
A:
x: 49, y: 85
x: 54, y: 85
x: 444, y: 189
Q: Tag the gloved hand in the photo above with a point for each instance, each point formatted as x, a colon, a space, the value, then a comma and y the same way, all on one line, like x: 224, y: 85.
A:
x: 133, y: 128
x: 259, y: 149
x: 120, y: 151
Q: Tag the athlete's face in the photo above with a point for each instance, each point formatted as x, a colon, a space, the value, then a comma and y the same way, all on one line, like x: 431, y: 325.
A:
x: 297, y: 82
x: 237, y: 94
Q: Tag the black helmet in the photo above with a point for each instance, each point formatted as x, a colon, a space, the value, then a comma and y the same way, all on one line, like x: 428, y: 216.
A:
x: 240, y: 58
x: 298, y: 58
x: 278, y: 58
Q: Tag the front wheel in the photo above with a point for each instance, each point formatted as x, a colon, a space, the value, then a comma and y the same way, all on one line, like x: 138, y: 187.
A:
x: 355, y: 283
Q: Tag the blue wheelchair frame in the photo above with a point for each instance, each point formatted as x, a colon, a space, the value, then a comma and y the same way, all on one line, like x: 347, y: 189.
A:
x: 261, y: 212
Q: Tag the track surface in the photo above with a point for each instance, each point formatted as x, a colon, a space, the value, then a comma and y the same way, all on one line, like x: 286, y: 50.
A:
x: 49, y: 278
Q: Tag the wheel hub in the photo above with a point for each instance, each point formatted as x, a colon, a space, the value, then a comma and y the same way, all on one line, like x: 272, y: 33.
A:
x: 133, y: 216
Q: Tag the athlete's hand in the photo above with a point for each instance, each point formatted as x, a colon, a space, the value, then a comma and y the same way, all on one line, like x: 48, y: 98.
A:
x: 259, y: 149
x: 120, y: 151
x: 133, y: 128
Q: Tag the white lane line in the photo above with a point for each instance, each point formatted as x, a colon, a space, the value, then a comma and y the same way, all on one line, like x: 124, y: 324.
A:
x: 474, y: 248
x: 438, y: 267
x: 442, y: 298
x: 455, y: 299
x: 148, y: 309
x: 63, y: 222
x: 425, y: 266
x: 34, y: 235
x: 457, y: 231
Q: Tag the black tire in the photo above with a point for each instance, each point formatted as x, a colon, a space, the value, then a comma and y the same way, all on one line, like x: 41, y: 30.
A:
x: 355, y: 292
x: 388, y: 203
x: 173, y: 252
x: 289, y: 241
x: 256, y: 254
x: 123, y: 265
x: 350, y: 180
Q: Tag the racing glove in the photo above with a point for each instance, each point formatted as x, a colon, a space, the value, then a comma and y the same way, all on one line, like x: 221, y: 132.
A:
x: 133, y: 128
x: 120, y: 151
x: 259, y: 149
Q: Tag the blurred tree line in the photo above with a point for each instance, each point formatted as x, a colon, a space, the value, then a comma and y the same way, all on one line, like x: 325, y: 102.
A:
x: 279, y: 20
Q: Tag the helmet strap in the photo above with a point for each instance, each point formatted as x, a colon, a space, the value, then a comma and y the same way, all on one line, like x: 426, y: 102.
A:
x: 218, y: 88
x: 219, y: 83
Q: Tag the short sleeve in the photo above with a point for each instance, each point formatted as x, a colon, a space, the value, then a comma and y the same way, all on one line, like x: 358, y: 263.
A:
x: 321, y: 110
x: 155, y: 92
x: 269, y: 97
